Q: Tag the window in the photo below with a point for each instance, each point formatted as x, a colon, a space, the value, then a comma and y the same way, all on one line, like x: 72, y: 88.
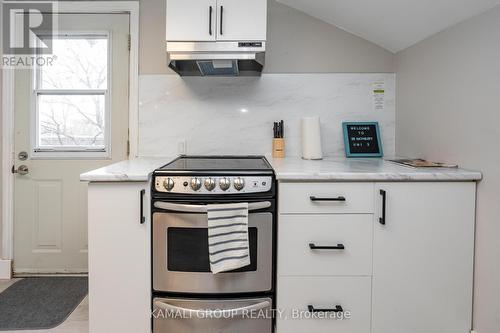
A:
x: 71, y: 98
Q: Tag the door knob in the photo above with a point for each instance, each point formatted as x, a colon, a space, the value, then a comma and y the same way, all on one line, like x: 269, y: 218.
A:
x: 21, y: 170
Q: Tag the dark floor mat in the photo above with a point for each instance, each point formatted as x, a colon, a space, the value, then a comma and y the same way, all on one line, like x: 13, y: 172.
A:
x: 40, y: 303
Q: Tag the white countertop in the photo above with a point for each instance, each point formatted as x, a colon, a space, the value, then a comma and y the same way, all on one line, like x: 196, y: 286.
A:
x: 136, y: 170
x: 362, y: 169
x: 297, y: 169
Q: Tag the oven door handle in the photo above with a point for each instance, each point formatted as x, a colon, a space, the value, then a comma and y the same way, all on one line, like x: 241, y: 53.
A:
x: 226, y: 313
x: 203, y: 208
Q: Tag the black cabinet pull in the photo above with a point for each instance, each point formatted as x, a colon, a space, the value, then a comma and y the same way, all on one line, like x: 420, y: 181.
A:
x: 142, y: 217
x: 312, y: 246
x: 221, y: 18
x: 384, y: 201
x: 210, y: 20
x: 337, y: 308
x: 339, y: 198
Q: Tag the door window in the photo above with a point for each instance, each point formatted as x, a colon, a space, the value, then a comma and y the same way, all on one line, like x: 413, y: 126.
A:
x: 71, y: 99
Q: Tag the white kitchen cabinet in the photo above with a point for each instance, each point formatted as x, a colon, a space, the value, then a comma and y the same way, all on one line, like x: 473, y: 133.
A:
x: 119, y: 258
x: 423, y: 258
x: 241, y: 20
x: 191, y: 20
x: 416, y: 263
x: 211, y: 20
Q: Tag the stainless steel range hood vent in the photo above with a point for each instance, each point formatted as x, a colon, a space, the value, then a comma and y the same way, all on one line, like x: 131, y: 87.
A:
x: 216, y: 58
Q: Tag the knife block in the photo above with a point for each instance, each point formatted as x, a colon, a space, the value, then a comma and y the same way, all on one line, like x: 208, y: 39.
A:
x: 279, y: 148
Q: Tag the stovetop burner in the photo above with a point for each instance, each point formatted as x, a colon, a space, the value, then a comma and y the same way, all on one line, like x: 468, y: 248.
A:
x: 217, y: 163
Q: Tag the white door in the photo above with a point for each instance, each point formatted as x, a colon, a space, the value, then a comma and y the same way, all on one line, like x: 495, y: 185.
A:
x: 191, y: 20
x: 69, y: 118
x: 241, y: 20
x: 423, y: 258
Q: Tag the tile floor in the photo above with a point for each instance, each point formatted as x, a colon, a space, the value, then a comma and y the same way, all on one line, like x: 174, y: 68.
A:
x: 77, y: 322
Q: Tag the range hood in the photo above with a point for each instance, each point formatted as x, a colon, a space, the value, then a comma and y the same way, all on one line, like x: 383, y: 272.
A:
x: 217, y: 58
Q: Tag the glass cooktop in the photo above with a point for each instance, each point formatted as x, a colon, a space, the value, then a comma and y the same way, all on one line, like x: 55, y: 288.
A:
x: 220, y: 163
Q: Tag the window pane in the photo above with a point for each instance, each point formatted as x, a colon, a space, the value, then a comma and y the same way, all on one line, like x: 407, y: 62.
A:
x: 81, y: 63
x: 71, y: 121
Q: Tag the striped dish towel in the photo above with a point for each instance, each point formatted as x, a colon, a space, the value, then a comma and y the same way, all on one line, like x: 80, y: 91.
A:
x: 228, y: 236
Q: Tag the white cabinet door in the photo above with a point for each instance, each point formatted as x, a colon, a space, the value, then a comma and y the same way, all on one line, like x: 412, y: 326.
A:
x: 241, y: 20
x: 119, y: 258
x: 423, y: 258
x: 191, y: 20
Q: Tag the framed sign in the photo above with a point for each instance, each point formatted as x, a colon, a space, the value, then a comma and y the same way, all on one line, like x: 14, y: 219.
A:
x: 362, y: 139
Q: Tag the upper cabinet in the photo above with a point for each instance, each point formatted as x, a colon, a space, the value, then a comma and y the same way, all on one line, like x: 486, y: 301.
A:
x: 191, y: 20
x: 241, y: 20
x: 216, y: 20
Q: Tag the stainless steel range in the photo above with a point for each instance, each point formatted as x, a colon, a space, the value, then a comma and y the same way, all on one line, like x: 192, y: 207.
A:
x: 182, y: 280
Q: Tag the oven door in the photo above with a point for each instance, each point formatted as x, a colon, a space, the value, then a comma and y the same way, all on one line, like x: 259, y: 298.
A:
x: 180, y: 251
x: 212, y: 316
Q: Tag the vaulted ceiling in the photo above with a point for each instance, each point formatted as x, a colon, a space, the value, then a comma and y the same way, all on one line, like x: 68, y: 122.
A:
x: 393, y: 24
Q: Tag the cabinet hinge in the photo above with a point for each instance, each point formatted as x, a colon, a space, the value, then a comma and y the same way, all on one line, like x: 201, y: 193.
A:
x: 129, y: 42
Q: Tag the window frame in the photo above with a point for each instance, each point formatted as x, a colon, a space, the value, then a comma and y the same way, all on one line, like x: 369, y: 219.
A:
x: 72, y: 152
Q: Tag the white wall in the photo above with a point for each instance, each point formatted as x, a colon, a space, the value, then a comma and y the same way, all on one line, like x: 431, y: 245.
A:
x: 448, y: 109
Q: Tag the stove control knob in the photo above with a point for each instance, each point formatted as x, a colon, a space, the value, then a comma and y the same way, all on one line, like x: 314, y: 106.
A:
x: 239, y: 184
x: 224, y: 184
x: 195, y: 184
x: 168, y: 184
x: 209, y: 184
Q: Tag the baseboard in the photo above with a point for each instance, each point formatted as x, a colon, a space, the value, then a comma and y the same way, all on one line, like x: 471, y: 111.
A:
x: 5, y: 269
x: 22, y: 272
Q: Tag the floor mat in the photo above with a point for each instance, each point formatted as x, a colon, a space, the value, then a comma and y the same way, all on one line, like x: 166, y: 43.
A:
x: 40, y: 303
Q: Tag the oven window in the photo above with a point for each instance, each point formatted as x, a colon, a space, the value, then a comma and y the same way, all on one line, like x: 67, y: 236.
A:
x: 187, y: 250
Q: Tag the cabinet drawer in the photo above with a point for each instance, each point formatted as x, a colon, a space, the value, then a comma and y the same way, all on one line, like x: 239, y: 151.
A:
x: 298, y: 233
x: 296, y: 294
x: 326, y: 198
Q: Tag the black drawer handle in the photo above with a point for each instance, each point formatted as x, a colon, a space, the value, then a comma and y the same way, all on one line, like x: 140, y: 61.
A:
x: 143, y: 218
x: 339, y: 198
x: 384, y: 202
x: 312, y: 246
x: 337, y: 308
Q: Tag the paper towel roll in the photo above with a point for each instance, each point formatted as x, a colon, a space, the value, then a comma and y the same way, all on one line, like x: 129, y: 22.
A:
x: 311, y: 138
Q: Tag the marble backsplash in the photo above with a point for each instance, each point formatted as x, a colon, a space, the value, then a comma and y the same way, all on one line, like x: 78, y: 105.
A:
x: 236, y: 115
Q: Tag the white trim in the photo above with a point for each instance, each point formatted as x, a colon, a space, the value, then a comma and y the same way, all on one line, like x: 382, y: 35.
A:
x: 130, y: 7
x: 7, y: 157
x: 5, y: 269
x: 36, y: 272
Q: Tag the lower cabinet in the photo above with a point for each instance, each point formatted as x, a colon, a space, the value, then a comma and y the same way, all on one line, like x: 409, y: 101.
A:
x: 405, y: 266
x: 119, y: 258
x: 423, y: 258
x: 324, y: 304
